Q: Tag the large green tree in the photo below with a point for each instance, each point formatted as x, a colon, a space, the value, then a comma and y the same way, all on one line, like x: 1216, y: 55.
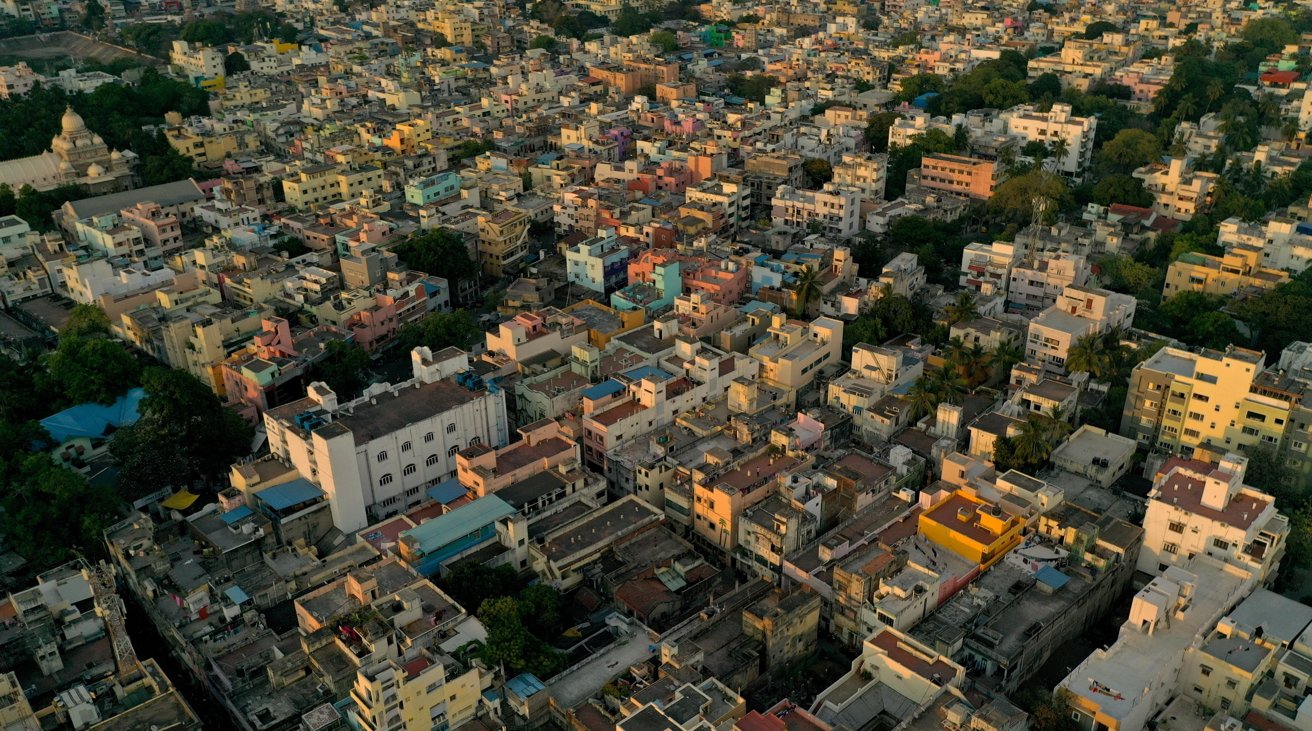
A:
x: 185, y: 435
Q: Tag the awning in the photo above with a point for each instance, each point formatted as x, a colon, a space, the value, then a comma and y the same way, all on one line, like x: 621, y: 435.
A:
x: 179, y: 500
x: 236, y: 595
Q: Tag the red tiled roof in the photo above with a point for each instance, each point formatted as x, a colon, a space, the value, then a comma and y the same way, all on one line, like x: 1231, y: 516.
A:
x: 754, y: 721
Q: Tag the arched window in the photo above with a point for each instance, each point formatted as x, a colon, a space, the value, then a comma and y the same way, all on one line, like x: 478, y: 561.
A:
x: 409, y: 470
x: 428, y: 437
x: 382, y: 456
x: 385, y: 479
x: 405, y: 446
x: 432, y: 460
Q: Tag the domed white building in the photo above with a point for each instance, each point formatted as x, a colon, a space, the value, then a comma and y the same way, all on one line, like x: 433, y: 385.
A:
x: 76, y: 156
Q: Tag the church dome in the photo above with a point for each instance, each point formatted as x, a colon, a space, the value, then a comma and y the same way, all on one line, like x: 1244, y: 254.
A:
x: 115, y: 156
x: 95, y: 171
x: 65, y: 166
x: 72, y: 122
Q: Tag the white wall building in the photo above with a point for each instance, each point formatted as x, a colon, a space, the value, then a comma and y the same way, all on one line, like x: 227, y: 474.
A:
x: 1076, y: 133
x: 375, y: 455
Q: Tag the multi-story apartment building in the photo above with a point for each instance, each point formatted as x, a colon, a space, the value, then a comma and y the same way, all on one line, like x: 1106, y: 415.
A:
x: 1055, y: 126
x: 529, y: 335
x: 649, y: 397
x: 973, y: 528
x: 732, y: 200
x: 316, y: 185
x: 725, y: 488
x: 1036, y: 284
x: 1177, y: 191
x: 17, y: 80
x: 792, y: 353
x: 1180, y: 399
x: 599, y: 263
x: 1197, y: 507
x: 1240, y: 268
x: 987, y: 268
x: 834, y: 210
x: 502, y: 241
x: 959, y: 175
x: 1078, y: 312
x: 866, y: 172
x: 374, y: 455
x: 200, y: 64
x: 1284, y: 240
x: 876, y: 370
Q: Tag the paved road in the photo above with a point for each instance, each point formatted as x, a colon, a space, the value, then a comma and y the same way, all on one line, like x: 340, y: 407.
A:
x: 572, y: 687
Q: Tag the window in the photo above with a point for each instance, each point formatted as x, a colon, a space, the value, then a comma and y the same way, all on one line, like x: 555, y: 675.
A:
x: 1254, y: 416
x: 1175, y: 527
x: 1232, y: 683
x: 475, y: 440
x: 1206, y: 671
x: 405, y: 446
x: 450, y: 428
x: 1171, y: 548
x: 382, y: 456
x: 1221, y: 543
x: 428, y: 437
x: 1225, y: 702
x: 409, y: 470
x: 385, y: 479
x: 452, y: 451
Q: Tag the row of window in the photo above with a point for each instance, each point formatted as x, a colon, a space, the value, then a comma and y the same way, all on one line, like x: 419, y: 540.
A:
x: 405, y: 446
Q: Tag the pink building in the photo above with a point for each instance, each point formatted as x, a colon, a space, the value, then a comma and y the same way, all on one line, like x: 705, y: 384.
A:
x: 404, y: 302
x: 484, y: 470
x: 723, y: 281
x: 270, y: 371
x: 161, y: 230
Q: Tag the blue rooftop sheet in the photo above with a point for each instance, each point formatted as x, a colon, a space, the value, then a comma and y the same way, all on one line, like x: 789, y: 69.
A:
x: 236, y: 594
x: 1052, y: 577
x: 753, y: 306
x: 647, y: 371
x: 445, y: 492
x: 94, y: 420
x: 281, y: 497
x: 608, y: 387
x: 236, y: 514
x: 525, y: 685
x: 432, y: 535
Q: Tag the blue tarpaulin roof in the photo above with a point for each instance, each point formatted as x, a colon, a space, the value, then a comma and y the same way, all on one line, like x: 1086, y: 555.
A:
x: 281, y: 497
x: 642, y: 372
x: 1052, y: 577
x: 525, y: 685
x: 445, y: 492
x: 236, y: 594
x: 94, y: 420
x: 236, y: 514
x: 608, y: 387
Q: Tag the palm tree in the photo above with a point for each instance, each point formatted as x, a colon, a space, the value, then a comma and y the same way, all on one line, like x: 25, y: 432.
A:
x: 923, y: 397
x: 949, y: 386
x: 1005, y: 356
x: 1057, y: 149
x: 1031, y: 447
x: 806, y: 290
x: 1097, y: 354
x: 1058, y: 426
x: 955, y: 350
x: 975, y: 365
x: 961, y: 309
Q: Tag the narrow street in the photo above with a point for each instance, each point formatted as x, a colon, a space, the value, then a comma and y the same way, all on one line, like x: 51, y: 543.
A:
x: 148, y: 643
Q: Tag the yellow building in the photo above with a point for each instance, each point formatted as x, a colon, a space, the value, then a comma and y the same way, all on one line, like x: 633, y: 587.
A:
x: 210, y: 150
x: 430, y: 691
x: 972, y: 528
x: 502, y: 241
x: 409, y: 138
x: 1179, y: 399
x: 317, y: 185
x: 1238, y: 269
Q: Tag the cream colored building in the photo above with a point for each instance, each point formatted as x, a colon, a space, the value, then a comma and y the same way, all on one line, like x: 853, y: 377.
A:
x: 1078, y: 312
x: 793, y: 352
x: 835, y: 209
x: 1177, y: 191
x: 1032, y: 125
x: 1197, y: 507
x: 865, y: 172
